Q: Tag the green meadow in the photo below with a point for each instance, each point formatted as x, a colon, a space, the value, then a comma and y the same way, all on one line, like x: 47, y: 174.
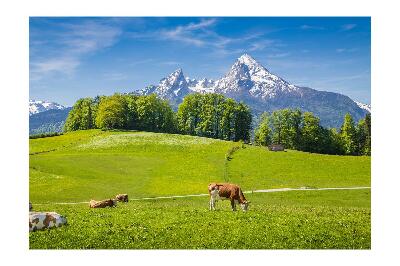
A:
x: 95, y: 164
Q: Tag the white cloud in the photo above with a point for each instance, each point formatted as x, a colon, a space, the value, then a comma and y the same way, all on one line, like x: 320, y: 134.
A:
x: 309, y: 27
x: 261, y: 45
x: 204, y: 23
x: 346, y: 50
x: 278, y: 55
x: 72, y: 42
x: 201, y: 34
x: 346, y: 27
x: 60, y: 65
x: 187, y: 33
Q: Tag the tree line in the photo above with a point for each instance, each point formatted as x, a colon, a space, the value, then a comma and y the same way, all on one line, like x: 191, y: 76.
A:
x: 302, y: 131
x: 122, y: 111
x: 216, y: 116
x: 207, y: 115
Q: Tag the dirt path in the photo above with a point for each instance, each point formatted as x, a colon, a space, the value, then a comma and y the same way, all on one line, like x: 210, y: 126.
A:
x: 206, y: 194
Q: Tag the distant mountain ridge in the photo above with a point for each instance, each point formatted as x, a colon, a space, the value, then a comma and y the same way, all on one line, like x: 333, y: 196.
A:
x: 252, y: 83
x: 41, y: 106
x: 48, y: 121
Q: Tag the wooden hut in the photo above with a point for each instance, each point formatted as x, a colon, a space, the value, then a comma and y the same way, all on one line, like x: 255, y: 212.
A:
x: 276, y: 147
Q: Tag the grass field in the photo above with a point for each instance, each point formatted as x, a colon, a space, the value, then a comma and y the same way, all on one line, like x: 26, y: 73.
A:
x: 94, y: 164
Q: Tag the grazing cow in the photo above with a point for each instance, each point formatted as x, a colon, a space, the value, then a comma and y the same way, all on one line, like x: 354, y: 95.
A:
x: 122, y: 197
x: 228, y: 191
x: 43, y: 220
x: 103, y: 203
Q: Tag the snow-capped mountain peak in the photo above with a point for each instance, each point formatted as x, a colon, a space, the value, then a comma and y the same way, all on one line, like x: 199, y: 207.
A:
x: 175, y: 85
x: 175, y: 78
x: 247, y: 59
x: 249, y: 81
x: 41, y: 106
x: 364, y: 106
x: 177, y: 73
x: 247, y: 76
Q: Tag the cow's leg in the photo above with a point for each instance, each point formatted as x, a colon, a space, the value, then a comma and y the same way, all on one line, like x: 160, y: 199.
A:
x: 212, y: 203
x: 233, y: 205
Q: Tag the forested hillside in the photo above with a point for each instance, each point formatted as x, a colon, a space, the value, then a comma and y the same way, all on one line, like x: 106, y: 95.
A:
x: 48, y: 121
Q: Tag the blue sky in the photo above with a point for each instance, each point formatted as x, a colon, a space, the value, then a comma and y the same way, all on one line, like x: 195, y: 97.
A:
x: 76, y: 57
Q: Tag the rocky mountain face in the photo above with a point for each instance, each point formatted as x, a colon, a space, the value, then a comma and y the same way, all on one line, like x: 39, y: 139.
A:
x: 252, y: 83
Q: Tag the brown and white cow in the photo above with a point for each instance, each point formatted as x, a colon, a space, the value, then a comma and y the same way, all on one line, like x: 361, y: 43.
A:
x: 44, y: 220
x: 103, y: 203
x: 122, y: 197
x: 227, y: 191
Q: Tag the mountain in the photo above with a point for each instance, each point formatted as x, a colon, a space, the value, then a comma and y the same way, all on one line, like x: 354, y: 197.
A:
x: 364, y: 106
x: 41, y: 106
x: 252, y: 83
x: 48, y: 121
x: 172, y: 88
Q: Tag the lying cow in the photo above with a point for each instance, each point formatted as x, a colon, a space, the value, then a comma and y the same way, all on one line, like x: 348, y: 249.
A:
x: 103, y: 203
x: 228, y: 191
x: 122, y: 197
x: 44, y: 220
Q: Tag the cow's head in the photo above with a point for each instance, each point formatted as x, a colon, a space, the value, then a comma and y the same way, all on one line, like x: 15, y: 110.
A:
x: 245, y: 205
x: 63, y: 220
x: 214, y: 193
x: 113, y: 202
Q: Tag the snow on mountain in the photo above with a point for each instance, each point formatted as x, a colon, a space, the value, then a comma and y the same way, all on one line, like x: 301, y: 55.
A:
x: 364, y: 106
x: 247, y: 76
x: 174, y: 84
x: 173, y: 88
x: 41, y: 106
x: 249, y: 81
x: 201, y: 86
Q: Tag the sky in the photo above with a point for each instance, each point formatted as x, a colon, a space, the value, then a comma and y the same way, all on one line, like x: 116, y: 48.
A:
x: 75, y: 57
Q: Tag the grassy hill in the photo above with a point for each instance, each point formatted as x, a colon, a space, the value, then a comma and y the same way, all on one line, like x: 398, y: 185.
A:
x: 94, y: 164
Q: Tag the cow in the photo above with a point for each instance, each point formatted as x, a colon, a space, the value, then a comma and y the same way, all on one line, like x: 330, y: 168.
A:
x: 122, y: 197
x: 228, y: 191
x: 103, y: 203
x: 44, y: 220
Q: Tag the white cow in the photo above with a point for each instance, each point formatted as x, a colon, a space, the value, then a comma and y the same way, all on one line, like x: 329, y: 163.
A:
x: 43, y: 220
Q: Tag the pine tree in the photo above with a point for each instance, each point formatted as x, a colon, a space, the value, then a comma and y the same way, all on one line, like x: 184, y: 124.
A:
x: 348, y: 134
x: 367, y: 147
x: 361, y: 137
